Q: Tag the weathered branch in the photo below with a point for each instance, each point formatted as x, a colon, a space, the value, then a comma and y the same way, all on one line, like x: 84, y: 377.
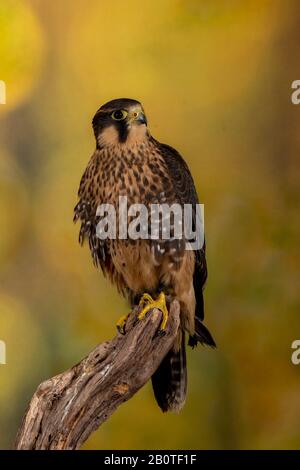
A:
x: 67, y: 408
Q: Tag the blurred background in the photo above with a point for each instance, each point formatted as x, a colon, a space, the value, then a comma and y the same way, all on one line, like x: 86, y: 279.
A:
x: 215, y: 80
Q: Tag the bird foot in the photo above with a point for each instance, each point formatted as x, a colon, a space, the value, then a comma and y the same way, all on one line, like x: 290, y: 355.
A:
x: 160, y: 304
x: 121, y: 323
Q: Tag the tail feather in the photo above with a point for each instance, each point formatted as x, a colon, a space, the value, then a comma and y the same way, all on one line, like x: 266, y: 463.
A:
x: 201, y: 335
x: 169, y: 382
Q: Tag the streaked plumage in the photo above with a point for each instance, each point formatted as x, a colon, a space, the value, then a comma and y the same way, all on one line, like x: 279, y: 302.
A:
x: 128, y: 161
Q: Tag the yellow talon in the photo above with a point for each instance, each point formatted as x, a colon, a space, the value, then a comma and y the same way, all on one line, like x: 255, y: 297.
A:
x: 146, y: 298
x: 121, y: 323
x: 159, y: 303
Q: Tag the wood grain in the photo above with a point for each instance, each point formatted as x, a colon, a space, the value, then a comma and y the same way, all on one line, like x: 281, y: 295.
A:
x: 67, y: 408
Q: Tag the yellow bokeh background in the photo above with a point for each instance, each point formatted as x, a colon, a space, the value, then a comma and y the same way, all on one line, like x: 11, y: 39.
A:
x: 21, y: 49
x: 215, y: 80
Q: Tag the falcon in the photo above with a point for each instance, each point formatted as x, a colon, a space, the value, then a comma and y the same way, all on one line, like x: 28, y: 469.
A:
x: 150, y: 272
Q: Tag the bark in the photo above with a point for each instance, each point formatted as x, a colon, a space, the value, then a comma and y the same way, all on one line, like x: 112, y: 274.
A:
x: 67, y: 408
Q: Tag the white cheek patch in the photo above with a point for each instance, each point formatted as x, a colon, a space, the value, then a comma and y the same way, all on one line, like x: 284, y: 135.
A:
x: 136, y: 133
x: 109, y: 136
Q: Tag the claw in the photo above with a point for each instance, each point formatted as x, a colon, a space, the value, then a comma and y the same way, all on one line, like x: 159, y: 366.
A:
x: 161, y: 333
x: 160, y: 304
x: 145, y: 298
x: 121, y: 323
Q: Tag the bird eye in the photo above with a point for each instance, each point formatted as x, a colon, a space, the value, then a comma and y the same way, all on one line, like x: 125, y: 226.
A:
x: 119, y: 115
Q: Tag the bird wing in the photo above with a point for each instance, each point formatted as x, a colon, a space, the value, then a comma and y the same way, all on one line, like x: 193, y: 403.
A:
x: 186, y: 194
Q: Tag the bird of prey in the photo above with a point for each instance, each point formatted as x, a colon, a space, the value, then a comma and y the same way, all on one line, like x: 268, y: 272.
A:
x: 128, y: 161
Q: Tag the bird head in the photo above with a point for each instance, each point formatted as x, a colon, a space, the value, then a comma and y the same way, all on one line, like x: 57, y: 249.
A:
x: 120, y: 121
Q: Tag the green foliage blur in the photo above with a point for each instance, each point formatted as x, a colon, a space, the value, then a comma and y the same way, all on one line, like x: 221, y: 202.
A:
x: 215, y: 80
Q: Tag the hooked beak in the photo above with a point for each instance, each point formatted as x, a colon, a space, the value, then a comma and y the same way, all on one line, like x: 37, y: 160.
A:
x: 139, y: 118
